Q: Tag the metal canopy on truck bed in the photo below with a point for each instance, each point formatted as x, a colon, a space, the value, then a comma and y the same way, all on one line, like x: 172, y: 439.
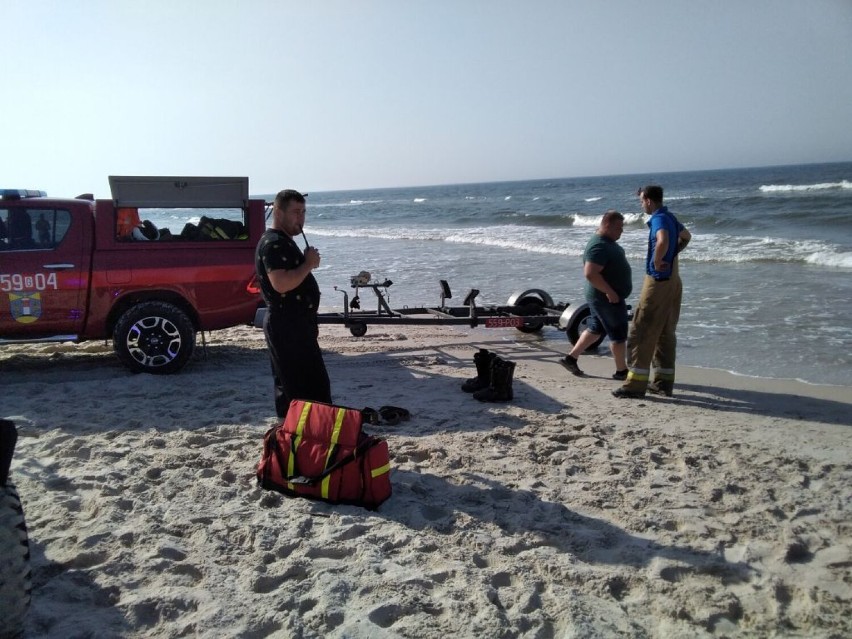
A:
x: 175, y: 192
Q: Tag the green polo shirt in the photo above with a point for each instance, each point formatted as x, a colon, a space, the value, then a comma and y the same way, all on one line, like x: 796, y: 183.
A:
x: 616, y: 269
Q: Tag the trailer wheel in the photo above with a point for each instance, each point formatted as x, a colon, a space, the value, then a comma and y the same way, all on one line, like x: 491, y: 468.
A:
x: 358, y: 329
x: 530, y: 306
x: 154, y: 337
x: 578, y: 323
x: 15, y: 575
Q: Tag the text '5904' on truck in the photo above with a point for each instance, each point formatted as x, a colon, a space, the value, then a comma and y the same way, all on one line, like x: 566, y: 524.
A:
x: 166, y: 257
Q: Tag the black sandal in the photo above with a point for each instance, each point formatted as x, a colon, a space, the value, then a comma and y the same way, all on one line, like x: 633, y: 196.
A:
x: 370, y: 415
x: 392, y: 415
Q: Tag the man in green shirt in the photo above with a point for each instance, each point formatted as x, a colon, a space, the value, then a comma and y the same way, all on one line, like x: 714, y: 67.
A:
x: 608, y: 282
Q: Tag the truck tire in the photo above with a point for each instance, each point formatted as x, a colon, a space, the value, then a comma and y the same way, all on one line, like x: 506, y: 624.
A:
x: 578, y: 323
x: 154, y: 337
x: 15, y: 575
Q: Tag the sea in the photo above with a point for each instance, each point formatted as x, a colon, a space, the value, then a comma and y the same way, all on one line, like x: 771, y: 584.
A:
x: 767, y: 276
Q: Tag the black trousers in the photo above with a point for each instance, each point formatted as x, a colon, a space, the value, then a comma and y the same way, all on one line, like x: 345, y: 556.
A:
x: 298, y: 370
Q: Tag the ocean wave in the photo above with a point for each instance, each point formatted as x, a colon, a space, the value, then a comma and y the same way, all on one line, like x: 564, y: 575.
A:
x: 838, y: 260
x: 335, y: 205
x: 788, y: 188
x: 528, y: 245
x: 586, y: 220
x: 595, y: 220
x: 681, y: 198
x: 593, y: 199
x: 388, y: 233
x: 740, y: 250
x: 510, y: 237
x: 705, y: 248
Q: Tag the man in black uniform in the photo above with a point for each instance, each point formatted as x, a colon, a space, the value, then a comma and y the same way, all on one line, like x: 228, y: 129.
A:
x: 292, y: 298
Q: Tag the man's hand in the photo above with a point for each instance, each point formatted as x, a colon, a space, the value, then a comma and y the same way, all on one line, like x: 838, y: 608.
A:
x: 312, y: 257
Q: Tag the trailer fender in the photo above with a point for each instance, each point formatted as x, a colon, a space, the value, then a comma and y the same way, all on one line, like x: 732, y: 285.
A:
x: 533, y: 299
x: 518, y: 297
x: 574, y: 321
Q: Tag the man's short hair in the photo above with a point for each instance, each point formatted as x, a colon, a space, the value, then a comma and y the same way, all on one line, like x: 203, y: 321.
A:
x: 283, y: 199
x: 653, y: 192
x: 611, y: 216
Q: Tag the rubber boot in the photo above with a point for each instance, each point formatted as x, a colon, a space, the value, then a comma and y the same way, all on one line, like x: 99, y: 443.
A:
x: 500, y: 389
x: 483, y: 360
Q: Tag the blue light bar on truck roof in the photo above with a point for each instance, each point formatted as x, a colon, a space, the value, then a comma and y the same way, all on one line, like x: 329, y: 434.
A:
x: 17, y: 194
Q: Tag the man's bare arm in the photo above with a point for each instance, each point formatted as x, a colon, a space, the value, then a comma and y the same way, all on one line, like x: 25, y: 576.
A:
x: 683, y: 239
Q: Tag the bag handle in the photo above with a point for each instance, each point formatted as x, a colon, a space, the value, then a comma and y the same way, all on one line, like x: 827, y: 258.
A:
x: 368, y: 442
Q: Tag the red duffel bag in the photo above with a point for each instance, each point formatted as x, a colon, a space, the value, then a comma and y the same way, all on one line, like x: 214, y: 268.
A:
x: 321, y: 452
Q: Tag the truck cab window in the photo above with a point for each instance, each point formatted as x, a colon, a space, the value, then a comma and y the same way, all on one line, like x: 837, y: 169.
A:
x: 177, y: 224
x: 32, y: 229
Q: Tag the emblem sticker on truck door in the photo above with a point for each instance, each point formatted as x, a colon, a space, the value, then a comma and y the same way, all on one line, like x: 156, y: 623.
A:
x: 25, y: 306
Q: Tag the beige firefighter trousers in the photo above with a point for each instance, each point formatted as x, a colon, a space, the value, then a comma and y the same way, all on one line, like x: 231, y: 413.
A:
x: 651, y: 340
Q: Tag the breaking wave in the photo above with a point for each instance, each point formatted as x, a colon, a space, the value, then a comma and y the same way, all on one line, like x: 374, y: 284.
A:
x: 790, y: 188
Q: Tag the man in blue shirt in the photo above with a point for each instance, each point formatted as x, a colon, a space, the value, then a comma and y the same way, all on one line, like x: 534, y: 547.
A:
x: 652, y: 334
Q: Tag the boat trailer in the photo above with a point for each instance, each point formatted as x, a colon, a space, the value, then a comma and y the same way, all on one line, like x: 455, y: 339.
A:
x: 528, y: 311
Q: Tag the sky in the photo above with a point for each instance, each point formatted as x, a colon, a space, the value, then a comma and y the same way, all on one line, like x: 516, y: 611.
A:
x: 351, y: 94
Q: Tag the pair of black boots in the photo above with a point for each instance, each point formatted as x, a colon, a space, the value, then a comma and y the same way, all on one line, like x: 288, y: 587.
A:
x: 493, y: 381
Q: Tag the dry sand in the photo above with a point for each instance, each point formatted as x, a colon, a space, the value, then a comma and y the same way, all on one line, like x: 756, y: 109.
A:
x: 722, y: 512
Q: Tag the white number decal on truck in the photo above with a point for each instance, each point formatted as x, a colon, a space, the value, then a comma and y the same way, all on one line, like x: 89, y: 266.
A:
x: 27, y: 282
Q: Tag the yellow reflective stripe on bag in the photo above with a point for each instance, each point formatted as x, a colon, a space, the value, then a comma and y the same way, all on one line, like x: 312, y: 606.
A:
x: 381, y: 470
x: 291, y: 462
x: 335, y: 435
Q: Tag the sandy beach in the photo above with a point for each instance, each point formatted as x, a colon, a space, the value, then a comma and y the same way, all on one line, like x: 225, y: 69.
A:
x: 722, y: 512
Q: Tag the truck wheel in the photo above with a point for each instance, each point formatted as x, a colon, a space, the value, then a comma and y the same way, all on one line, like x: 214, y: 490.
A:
x: 358, y: 329
x: 579, y: 322
x: 154, y: 337
x: 530, y: 306
x: 15, y: 575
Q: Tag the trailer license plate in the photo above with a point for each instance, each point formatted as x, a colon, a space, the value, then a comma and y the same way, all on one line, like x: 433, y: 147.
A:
x: 504, y: 322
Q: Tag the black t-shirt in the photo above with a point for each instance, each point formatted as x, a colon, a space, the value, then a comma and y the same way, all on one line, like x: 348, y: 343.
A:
x: 277, y: 250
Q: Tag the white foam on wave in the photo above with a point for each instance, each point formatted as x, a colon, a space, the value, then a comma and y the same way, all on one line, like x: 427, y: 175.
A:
x: 711, y: 247
x: 518, y: 243
x: 788, y: 188
x: 419, y: 199
x: 389, y: 233
x: 680, y: 198
x: 508, y: 237
x: 593, y: 199
x: 595, y: 220
x: 839, y: 260
x: 634, y: 218
x: 337, y: 205
x: 707, y: 248
x: 586, y: 220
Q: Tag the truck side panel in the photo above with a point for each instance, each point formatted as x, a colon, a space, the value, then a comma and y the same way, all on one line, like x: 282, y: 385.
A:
x: 210, y: 279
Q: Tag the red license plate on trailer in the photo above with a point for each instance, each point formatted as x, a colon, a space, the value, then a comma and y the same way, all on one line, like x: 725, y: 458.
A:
x: 504, y: 322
